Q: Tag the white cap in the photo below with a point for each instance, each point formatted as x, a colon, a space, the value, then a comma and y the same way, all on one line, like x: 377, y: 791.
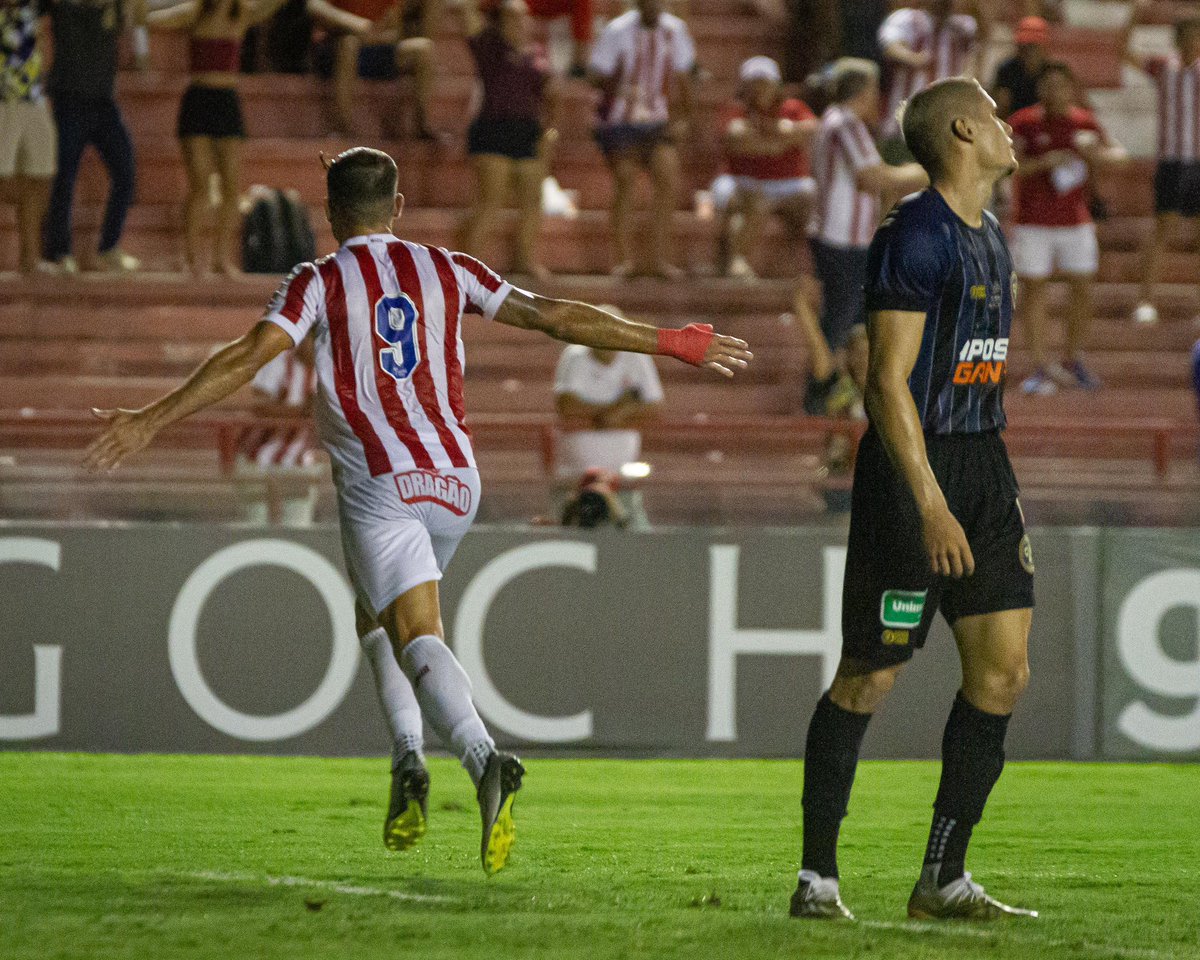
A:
x: 760, y: 68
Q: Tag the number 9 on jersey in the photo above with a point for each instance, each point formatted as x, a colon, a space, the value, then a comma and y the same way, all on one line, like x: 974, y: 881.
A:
x: 396, y: 325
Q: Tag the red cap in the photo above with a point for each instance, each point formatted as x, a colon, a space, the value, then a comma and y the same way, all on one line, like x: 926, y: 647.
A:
x: 1032, y: 30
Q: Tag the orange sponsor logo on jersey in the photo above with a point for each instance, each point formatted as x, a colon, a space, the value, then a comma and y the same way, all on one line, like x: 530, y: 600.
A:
x: 982, y: 360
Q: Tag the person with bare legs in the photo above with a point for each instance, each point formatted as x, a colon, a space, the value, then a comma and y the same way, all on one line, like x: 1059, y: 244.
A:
x: 1060, y: 147
x: 210, y: 126
x: 387, y: 318
x: 1177, y: 175
x: 639, y: 59
x: 511, y: 138
x: 28, y: 142
x: 765, y: 143
x: 384, y: 40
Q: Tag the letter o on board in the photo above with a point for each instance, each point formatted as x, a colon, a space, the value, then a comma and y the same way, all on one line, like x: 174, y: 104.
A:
x: 185, y: 663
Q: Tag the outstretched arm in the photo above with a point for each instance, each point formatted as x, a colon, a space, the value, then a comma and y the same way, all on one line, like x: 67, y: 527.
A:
x: 178, y: 17
x: 895, y: 338
x: 574, y: 322
x: 230, y: 368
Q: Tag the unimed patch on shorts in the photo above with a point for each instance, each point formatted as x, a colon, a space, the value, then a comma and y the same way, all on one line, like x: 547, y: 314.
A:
x: 902, y: 609
x: 427, y: 486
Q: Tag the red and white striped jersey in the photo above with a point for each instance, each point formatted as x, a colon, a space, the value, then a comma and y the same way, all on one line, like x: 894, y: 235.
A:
x: 951, y: 45
x: 289, y: 382
x: 644, y: 63
x: 389, y: 351
x: 1178, y: 108
x: 846, y: 215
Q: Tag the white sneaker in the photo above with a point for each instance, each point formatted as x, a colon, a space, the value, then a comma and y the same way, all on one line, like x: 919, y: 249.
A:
x: 817, y: 897
x: 740, y: 269
x: 1146, y: 313
x: 961, y: 899
x: 118, y: 261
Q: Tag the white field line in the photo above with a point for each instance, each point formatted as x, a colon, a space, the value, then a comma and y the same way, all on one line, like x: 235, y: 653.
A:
x: 1009, y: 934
x: 332, y: 886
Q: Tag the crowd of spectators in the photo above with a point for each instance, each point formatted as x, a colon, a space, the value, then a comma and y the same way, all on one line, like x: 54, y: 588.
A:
x: 813, y: 141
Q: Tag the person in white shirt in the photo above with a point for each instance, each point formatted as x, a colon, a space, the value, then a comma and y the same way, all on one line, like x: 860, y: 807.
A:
x: 601, y: 398
x: 387, y: 319
x: 851, y: 176
x: 639, y: 60
x: 923, y: 46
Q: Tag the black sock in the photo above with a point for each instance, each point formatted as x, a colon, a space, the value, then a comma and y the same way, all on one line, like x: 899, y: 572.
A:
x: 972, y: 758
x: 830, y: 758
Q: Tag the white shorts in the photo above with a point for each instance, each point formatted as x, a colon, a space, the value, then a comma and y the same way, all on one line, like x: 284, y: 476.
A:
x: 1038, y: 252
x: 401, y: 530
x: 29, y: 140
x: 726, y: 186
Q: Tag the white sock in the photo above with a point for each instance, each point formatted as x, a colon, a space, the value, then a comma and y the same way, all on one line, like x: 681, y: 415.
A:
x: 396, y: 697
x: 444, y: 691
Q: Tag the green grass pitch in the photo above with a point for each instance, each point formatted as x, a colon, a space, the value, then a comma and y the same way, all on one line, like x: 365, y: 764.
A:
x: 230, y: 858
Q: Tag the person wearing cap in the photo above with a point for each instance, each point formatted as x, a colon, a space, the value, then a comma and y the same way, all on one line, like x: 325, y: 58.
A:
x: 602, y: 397
x: 1015, y: 87
x: 765, y: 142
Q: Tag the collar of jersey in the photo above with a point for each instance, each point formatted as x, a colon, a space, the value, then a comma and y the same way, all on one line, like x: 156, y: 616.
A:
x: 368, y: 237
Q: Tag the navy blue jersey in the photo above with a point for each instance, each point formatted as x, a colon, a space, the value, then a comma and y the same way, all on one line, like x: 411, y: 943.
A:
x: 925, y: 259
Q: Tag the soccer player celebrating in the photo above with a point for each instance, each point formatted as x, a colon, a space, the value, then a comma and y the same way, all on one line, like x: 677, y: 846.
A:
x: 935, y: 522
x: 386, y: 316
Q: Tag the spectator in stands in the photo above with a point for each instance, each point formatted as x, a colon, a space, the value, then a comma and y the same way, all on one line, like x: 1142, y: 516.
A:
x: 765, y: 143
x: 1177, y: 177
x: 276, y: 465
x: 1016, y: 82
x: 920, y: 47
x: 28, y: 148
x: 377, y: 40
x: 1059, y: 146
x: 580, y: 13
x: 638, y: 61
x: 210, y: 126
x: 851, y: 177
x: 82, y: 80
x: 602, y: 398
x: 510, y: 138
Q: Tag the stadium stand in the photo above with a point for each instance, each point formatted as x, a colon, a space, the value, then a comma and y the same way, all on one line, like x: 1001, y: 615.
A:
x: 737, y: 453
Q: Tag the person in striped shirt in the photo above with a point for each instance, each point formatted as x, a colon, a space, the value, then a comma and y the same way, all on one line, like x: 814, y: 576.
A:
x: 641, y: 62
x: 275, y: 465
x: 1177, y: 175
x: 921, y: 47
x: 387, y: 315
x: 851, y: 176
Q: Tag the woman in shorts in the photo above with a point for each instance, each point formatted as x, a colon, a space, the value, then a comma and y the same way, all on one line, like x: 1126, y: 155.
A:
x: 510, y: 138
x: 210, y: 126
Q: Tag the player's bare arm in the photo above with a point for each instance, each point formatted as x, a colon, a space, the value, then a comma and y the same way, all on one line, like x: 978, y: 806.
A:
x: 226, y: 371
x: 883, y: 178
x: 573, y: 322
x: 895, y: 337
x: 178, y: 17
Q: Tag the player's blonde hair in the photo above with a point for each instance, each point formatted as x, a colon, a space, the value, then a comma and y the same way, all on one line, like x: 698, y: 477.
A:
x: 927, y: 119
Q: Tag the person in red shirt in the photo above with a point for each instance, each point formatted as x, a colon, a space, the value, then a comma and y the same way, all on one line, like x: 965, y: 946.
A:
x: 765, y: 144
x: 580, y: 13
x: 1059, y: 145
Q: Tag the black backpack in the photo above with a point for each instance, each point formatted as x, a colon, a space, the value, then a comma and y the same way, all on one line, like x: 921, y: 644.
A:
x: 276, y: 233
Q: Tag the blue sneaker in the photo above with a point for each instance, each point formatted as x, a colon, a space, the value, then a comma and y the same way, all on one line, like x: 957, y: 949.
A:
x: 1081, y: 375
